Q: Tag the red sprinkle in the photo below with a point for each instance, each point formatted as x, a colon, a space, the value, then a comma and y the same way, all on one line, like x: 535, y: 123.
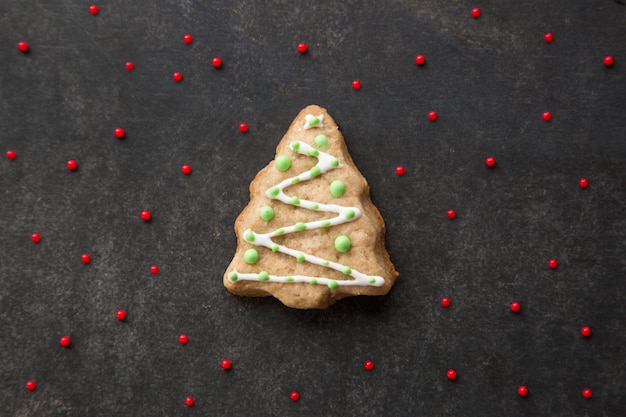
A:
x: 226, y: 364
x: 420, y: 60
x: 295, y: 396
x: 11, y: 155
x: 587, y: 393
x: 515, y: 306
x: 608, y: 61
x: 93, y: 9
x: 522, y: 391
x: 476, y: 13
x: 65, y: 341
x: 583, y: 182
x: 451, y: 374
x: 302, y: 47
x: 188, y: 39
x: 177, y: 76
x: 546, y: 116
x: 85, y: 258
x: 445, y: 302
x: 432, y: 116
x: 356, y: 84
x: 217, y: 62
x: 31, y: 385
x: 243, y: 127
x: 72, y: 165
x: 189, y: 401
x: 553, y: 263
x: 23, y: 47
x: 585, y: 331
x: 400, y: 170
x: 35, y: 237
x: 368, y: 365
x: 183, y: 339
x: 120, y: 315
x: 145, y: 215
x: 130, y: 66
x: 154, y: 269
x: 119, y: 133
x: 490, y: 161
x: 548, y: 37
x: 186, y: 169
x: 451, y: 214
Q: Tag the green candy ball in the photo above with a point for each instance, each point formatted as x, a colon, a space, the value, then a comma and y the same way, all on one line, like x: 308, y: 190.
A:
x: 337, y: 188
x: 283, y: 163
x: 266, y: 213
x: 251, y: 256
x: 343, y: 243
x: 321, y: 141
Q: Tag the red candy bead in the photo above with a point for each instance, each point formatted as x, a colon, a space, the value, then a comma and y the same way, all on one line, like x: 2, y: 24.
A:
x: 93, y: 9
x: 476, y: 13
x: 490, y: 161
x: 31, y: 385
x: 608, y: 61
x: 35, y: 237
x: 587, y: 393
x: 154, y: 269
x: 302, y: 47
x: 65, y: 341
x: 294, y: 395
x: 177, y: 76
x: 420, y: 60
x: 72, y: 165
x: 546, y: 116
x: 368, y: 365
x: 217, y: 62
x: 85, y: 258
x: 130, y: 66
x: 400, y: 170
x: 548, y: 37
x: 451, y: 214
x: 145, y: 215
x: 445, y: 302
x: 119, y: 133
x: 23, y: 47
x: 120, y: 315
x: 356, y: 84
x: 553, y: 263
x: 451, y: 374
x: 583, y: 183
x: 189, y: 401
x: 183, y: 339
x: 11, y: 155
x: 243, y: 127
x: 586, y: 331
x: 522, y: 391
x: 188, y: 39
x: 515, y: 306
x: 432, y: 116
x: 226, y: 364
x: 186, y: 169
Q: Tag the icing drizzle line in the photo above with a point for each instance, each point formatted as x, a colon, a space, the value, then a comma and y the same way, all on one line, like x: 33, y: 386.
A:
x: 326, y: 162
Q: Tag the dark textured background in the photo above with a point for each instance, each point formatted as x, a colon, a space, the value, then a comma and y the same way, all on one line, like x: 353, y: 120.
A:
x: 489, y: 79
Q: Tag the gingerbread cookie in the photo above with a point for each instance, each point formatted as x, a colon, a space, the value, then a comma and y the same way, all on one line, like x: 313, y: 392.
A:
x: 310, y: 235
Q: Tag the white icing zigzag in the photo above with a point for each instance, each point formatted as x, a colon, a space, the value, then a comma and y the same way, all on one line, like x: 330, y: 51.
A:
x: 325, y: 163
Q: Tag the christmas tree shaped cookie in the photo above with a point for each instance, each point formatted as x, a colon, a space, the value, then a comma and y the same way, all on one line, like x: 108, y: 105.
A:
x: 310, y: 235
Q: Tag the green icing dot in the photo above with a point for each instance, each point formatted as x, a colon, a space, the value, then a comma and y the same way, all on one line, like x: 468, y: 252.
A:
x: 289, y: 279
x: 300, y: 258
x: 295, y: 201
x: 300, y: 226
x: 266, y: 213
x: 313, y: 121
x: 372, y: 280
x: 249, y: 235
x: 325, y: 263
x: 295, y: 180
x: 350, y: 214
x: 295, y: 146
x: 343, y: 243
x: 313, y: 152
x: 275, y: 248
x: 315, y: 206
x: 325, y: 223
x: 332, y: 284
x: 274, y: 191
x: 346, y: 270
x: 337, y: 188
x: 313, y: 281
x: 315, y: 171
x: 233, y: 276
x: 279, y: 232
x: 283, y: 163
x: 334, y: 162
x: 251, y: 256
x: 264, y: 276
x: 321, y: 141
